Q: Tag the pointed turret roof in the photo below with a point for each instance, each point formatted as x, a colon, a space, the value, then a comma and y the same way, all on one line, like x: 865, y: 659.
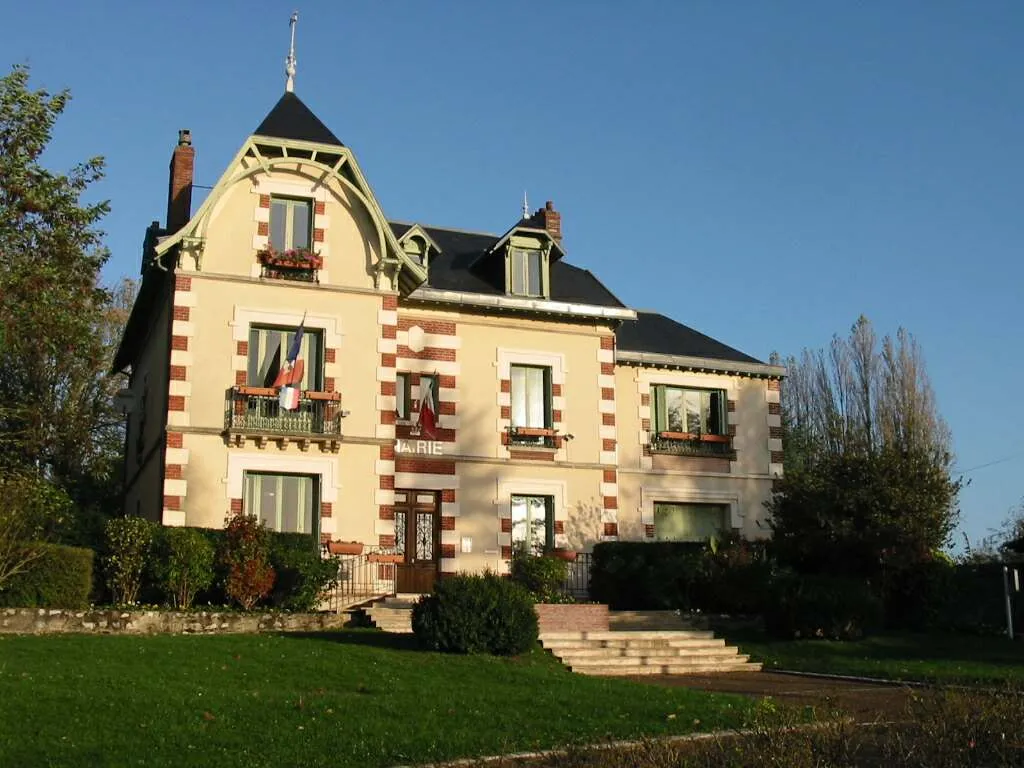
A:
x: 291, y: 119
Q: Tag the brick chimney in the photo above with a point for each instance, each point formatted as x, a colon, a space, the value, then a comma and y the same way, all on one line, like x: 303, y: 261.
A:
x: 179, y: 190
x: 550, y: 219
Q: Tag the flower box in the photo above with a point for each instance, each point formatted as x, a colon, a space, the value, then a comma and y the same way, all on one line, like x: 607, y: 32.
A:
x: 297, y: 258
x: 379, y: 557
x: 561, y: 553
x: 532, y: 432
x: 694, y: 436
x: 345, y: 547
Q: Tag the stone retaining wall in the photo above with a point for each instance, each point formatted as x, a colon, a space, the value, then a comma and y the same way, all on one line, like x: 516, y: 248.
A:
x: 111, y: 621
x: 572, y: 617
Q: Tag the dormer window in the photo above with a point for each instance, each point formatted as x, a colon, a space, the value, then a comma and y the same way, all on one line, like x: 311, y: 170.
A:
x: 526, y: 272
x: 291, y: 224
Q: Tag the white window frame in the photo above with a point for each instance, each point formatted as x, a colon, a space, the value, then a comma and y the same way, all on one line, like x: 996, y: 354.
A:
x: 314, y: 501
x: 290, y: 205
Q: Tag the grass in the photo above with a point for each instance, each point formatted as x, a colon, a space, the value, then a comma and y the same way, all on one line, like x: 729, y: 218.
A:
x: 936, y: 658
x: 346, y: 698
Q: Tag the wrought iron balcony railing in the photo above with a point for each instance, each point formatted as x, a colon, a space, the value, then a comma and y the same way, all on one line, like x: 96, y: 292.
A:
x: 255, y: 411
x: 691, y: 444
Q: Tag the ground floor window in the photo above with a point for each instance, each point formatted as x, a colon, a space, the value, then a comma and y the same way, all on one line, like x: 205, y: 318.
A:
x: 689, y: 522
x: 533, y: 522
x: 281, y: 502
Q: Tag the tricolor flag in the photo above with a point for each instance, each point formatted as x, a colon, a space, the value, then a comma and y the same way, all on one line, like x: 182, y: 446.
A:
x: 428, y: 410
x: 290, y: 376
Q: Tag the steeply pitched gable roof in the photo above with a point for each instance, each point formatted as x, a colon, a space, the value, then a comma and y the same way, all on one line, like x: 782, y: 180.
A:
x: 292, y: 119
x: 651, y: 332
x: 453, y: 269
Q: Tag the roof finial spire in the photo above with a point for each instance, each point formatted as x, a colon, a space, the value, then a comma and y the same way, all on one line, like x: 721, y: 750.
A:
x: 289, y: 63
x: 526, y: 206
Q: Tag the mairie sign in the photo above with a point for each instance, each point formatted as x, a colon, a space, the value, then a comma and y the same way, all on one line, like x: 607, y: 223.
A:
x: 420, y: 447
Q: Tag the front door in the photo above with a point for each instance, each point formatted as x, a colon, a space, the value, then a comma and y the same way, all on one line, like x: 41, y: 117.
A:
x: 417, y: 538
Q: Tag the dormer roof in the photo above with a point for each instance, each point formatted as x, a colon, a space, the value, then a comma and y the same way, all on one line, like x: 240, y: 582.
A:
x: 291, y: 119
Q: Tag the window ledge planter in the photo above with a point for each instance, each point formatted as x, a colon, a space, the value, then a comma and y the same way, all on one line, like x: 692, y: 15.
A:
x: 379, y: 557
x: 345, y: 547
x: 532, y: 431
x: 694, y: 436
x: 297, y: 258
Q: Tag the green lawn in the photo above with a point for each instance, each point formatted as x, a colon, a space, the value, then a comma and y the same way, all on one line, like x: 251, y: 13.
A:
x: 348, y: 698
x: 921, y: 657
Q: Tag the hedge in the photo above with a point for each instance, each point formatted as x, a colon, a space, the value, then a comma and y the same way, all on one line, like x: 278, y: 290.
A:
x: 817, y: 606
x: 60, y: 578
x: 669, y: 575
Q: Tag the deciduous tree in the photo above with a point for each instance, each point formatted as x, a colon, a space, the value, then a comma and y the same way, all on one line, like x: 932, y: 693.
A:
x: 867, y: 458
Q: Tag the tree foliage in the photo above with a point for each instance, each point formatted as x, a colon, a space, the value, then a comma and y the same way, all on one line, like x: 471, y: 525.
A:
x: 868, y: 459
x: 58, y: 325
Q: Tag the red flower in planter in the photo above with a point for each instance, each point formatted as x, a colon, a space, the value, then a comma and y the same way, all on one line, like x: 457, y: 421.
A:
x: 296, y: 258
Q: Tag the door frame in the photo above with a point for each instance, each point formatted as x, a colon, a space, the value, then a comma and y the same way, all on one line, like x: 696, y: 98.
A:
x: 409, y: 509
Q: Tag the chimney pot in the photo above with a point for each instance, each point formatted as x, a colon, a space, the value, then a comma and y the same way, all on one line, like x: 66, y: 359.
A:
x: 549, y: 206
x: 184, y: 138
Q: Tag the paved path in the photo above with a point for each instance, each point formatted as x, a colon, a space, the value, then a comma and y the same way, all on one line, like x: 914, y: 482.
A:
x: 864, y: 701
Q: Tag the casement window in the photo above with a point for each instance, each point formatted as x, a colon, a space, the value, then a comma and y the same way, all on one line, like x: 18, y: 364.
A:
x: 284, y: 503
x: 291, y: 223
x: 689, y: 522
x: 407, y: 394
x: 268, y: 351
x: 691, y: 411
x: 533, y: 522
x: 403, y: 396
x: 526, y: 275
x: 531, y: 396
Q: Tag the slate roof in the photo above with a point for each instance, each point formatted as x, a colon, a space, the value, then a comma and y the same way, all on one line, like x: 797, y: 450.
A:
x: 292, y: 119
x: 651, y: 332
x: 453, y: 270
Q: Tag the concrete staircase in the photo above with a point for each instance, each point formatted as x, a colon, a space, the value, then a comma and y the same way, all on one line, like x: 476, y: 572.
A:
x: 646, y: 643
x: 392, y: 614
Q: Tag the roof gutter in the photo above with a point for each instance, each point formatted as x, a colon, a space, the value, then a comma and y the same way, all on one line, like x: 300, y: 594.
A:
x: 699, y: 363
x: 515, y: 303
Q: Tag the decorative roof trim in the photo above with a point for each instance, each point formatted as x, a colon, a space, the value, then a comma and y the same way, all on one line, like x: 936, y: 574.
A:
x: 417, y: 231
x: 520, y: 227
x: 411, y: 274
x: 710, y: 365
x: 515, y: 303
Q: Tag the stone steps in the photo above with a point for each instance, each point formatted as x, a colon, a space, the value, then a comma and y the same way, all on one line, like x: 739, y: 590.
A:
x: 646, y: 652
x: 392, y: 614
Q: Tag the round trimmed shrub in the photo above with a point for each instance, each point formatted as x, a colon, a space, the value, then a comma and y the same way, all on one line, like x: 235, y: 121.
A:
x: 480, y: 613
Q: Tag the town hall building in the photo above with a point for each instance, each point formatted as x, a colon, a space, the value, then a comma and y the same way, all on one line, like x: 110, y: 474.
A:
x: 441, y: 394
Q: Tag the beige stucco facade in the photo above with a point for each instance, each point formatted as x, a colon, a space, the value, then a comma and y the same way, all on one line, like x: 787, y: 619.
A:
x: 189, y: 374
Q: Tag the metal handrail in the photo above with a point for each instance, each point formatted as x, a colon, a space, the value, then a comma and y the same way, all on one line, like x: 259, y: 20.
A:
x: 365, y: 576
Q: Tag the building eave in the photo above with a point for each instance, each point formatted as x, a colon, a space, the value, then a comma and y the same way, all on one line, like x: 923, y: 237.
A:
x: 700, y: 364
x: 518, y: 304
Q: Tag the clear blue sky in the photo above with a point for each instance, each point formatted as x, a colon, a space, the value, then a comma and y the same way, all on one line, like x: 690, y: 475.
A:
x: 764, y: 172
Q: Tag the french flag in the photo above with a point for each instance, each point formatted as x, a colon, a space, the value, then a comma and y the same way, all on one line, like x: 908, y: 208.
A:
x: 428, y: 409
x: 290, y: 376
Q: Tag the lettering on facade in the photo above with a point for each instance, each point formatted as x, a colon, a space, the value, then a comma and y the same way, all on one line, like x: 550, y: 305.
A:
x: 420, y: 447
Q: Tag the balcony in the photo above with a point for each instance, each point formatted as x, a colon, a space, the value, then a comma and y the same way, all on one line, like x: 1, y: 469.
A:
x: 692, y: 444
x: 253, y: 413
